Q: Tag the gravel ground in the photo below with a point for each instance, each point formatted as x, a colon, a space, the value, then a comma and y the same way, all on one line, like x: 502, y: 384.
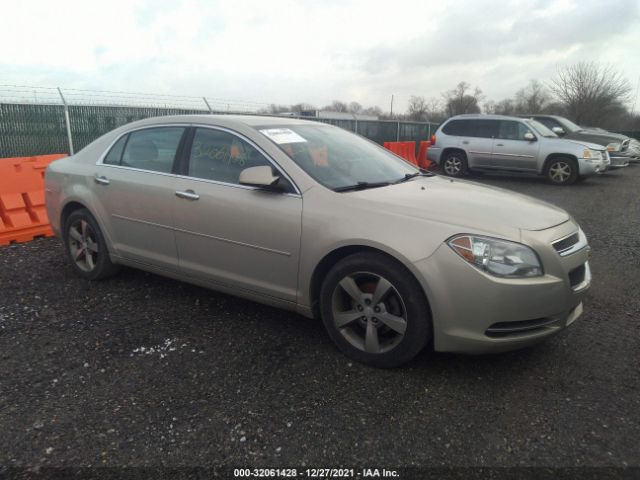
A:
x: 143, y: 370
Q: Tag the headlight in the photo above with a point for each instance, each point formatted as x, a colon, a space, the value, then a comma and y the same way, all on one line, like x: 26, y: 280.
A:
x: 614, y: 147
x: 497, y: 257
x: 592, y: 154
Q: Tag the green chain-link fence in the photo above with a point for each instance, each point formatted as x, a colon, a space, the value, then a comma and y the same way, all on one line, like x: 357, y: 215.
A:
x: 34, y: 129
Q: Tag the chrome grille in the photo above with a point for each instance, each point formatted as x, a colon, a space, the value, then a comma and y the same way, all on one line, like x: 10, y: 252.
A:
x: 566, y: 243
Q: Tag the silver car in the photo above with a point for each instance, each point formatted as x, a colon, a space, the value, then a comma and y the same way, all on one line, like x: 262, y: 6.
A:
x: 314, y: 219
x: 493, y: 142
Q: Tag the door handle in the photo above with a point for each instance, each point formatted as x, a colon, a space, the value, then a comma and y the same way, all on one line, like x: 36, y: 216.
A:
x: 188, y: 194
x: 465, y: 142
x: 499, y: 144
x: 101, y: 180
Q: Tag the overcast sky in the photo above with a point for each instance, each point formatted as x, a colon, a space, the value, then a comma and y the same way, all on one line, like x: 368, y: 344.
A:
x: 311, y: 50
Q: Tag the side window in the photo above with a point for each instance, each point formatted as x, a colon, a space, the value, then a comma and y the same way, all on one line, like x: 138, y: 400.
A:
x: 510, y: 130
x: 548, y: 122
x: 152, y: 148
x: 221, y: 156
x: 460, y: 128
x: 485, y: 128
x: 115, y: 154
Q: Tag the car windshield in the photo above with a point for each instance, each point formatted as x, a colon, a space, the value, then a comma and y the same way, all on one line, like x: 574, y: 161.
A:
x: 540, y: 129
x: 569, y: 125
x: 338, y: 159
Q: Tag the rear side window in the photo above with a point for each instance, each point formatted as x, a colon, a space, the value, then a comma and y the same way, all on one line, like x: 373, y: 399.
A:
x: 461, y: 128
x: 485, y: 128
x: 471, y: 128
x: 510, y: 130
x: 115, y: 154
x: 152, y: 149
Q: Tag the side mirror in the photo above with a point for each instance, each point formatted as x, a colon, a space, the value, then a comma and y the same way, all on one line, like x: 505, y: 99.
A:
x: 558, y: 131
x: 258, y: 177
x: 530, y: 136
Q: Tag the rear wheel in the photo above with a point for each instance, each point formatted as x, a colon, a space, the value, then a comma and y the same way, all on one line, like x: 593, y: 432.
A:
x: 86, y: 247
x: 374, y: 310
x: 561, y: 171
x: 455, y: 164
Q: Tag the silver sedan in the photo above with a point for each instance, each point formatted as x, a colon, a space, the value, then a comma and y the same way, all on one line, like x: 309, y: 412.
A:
x: 311, y: 218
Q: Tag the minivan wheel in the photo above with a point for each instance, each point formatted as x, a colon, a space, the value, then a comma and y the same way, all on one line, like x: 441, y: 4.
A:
x: 374, y: 310
x: 455, y: 164
x: 86, y: 247
x: 561, y: 171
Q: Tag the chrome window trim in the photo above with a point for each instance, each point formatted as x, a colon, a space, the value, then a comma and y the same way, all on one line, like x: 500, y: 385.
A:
x: 188, y: 177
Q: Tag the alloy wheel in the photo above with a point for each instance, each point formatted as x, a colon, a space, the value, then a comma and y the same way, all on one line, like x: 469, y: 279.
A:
x: 453, y: 166
x: 369, y: 312
x: 560, y: 172
x: 83, y: 245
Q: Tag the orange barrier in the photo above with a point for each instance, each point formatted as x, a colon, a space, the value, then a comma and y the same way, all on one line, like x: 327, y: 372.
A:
x: 423, y: 161
x: 406, y: 150
x: 23, y: 214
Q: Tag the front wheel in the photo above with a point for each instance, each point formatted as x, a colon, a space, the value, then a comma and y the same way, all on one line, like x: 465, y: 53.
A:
x: 86, y: 247
x: 561, y: 171
x: 455, y: 164
x: 374, y: 310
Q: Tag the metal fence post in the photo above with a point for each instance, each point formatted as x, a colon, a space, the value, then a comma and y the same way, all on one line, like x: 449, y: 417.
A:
x: 207, y: 103
x: 67, y: 121
x: 398, y: 132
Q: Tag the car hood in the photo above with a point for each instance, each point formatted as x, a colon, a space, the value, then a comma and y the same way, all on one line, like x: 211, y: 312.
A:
x: 466, y: 204
x: 600, y: 138
x: 607, y: 134
x: 560, y: 142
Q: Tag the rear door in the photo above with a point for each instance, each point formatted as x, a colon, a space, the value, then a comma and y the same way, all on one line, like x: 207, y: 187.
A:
x: 135, y: 186
x: 511, y: 150
x: 479, y: 142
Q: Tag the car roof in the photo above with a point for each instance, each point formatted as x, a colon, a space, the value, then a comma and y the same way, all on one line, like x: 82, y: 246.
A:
x: 484, y: 116
x: 224, y: 120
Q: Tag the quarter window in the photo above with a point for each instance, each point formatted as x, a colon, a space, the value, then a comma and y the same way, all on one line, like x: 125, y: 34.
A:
x: 152, y: 149
x: 221, y: 156
x: 115, y: 154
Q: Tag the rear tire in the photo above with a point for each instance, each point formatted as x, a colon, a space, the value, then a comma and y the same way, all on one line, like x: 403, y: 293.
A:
x: 455, y: 164
x: 375, y: 310
x: 561, y: 171
x: 86, y: 247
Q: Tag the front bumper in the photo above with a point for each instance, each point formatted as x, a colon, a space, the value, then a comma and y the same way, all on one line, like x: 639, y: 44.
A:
x: 589, y: 166
x: 619, y: 160
x: 474, y: 312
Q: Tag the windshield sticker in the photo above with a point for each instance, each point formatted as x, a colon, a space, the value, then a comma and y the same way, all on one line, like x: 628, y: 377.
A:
x: 282, y: 135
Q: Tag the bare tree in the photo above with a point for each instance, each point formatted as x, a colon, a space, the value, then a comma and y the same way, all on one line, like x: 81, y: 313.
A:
x: 417, y: 108
x: 337, y: 106
x: 532, y: 99
x: 377, y: 111
x: 591, y: 93
x: 354, y: 107
x: 462, y: 100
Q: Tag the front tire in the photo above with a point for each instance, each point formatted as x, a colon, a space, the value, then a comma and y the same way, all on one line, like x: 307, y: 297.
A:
x: 561, y: 171
x: 86, y: 247
x: 374, y: 310
x: 455, y: 164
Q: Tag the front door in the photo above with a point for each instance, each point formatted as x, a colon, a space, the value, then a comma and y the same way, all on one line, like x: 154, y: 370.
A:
x: 511, y: 150
x: 232, y: 234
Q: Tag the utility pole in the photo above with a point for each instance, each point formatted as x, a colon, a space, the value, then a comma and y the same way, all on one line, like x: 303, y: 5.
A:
x: 392, y: 105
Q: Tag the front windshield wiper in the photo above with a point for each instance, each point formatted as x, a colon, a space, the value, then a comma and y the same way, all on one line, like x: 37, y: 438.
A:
x: 361, y: 186
x: 409, y: 176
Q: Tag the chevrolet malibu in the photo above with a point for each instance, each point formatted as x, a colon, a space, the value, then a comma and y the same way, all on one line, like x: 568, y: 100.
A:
x: 311, y: 218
